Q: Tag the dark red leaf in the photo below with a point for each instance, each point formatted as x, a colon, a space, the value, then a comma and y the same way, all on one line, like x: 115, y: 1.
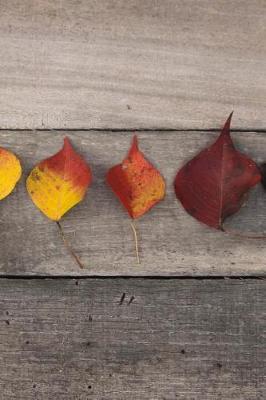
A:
x: 214, y: 184
x: 263, y: 175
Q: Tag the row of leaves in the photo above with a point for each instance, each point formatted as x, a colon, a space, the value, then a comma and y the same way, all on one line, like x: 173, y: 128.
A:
x: 211, y: 186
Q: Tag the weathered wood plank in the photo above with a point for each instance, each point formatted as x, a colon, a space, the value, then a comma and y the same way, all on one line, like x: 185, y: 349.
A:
x: 141, y: 63
x: 171, y: 241
x: 178, y: 339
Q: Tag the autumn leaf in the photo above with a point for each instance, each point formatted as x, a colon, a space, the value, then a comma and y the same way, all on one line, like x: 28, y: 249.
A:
x: 214, y: 184
x: 136, y: 182
x: 57, y: 184
x: 10, y: 172
x: 263, y: 175
x: 60, y: 182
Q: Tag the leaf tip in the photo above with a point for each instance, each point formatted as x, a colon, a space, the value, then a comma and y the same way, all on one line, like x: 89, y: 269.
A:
x: 226, y: 127
x: 230, y: 118
x: 134, y: 146
x: 67, y: 143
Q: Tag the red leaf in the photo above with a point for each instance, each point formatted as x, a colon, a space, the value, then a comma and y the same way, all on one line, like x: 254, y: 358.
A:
x: 136, y: 182
x: 214, y: 184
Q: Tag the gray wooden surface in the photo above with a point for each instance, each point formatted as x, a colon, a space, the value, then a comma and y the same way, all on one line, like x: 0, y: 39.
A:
x: 154, y: 65
x: 186, y: 340
x: 129, y: 64
x: 171, y: 242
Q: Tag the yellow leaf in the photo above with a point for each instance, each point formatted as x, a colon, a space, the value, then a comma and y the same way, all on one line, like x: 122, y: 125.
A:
x: 59, y: 182
x: 10, y: 172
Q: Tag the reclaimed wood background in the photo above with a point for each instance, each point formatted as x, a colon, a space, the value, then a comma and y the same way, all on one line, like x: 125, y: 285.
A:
x: 189, y: 322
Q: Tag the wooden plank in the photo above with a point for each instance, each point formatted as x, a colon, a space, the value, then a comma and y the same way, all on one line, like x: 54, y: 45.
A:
x: 178, y: 339
x: 171, y: 241
x: 116, y: 64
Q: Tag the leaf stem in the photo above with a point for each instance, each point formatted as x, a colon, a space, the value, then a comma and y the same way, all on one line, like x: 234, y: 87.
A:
x: 68, y: 246
x: 247, y: 235
x: 136, y: 240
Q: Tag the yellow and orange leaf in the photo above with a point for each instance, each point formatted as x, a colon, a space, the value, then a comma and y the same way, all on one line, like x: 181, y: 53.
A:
x: 10, y: 172
x: 136, y: 182
x: 60, y: 182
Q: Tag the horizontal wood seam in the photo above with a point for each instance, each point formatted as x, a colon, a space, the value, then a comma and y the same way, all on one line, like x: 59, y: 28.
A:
x: 157, y: 130
x: 128, y: 277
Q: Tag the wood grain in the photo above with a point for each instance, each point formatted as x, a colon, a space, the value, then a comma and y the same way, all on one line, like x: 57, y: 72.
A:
x: 132, y: 64
x: 171, y: 241
x: 177, y: 339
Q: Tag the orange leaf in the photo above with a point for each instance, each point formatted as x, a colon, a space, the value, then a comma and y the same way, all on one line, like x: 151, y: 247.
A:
x: 10, y: 172
x: 59, y: 182
x: 136, y: 182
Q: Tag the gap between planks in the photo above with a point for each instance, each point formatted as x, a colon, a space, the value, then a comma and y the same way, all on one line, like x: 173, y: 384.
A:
x: 154, y: 130
x: 130, y: 277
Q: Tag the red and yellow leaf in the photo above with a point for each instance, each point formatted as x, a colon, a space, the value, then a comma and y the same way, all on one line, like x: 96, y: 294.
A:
x: 59, y: 182
x: 10, y: 172
x: 214, y: 184
x: 136, y: 182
